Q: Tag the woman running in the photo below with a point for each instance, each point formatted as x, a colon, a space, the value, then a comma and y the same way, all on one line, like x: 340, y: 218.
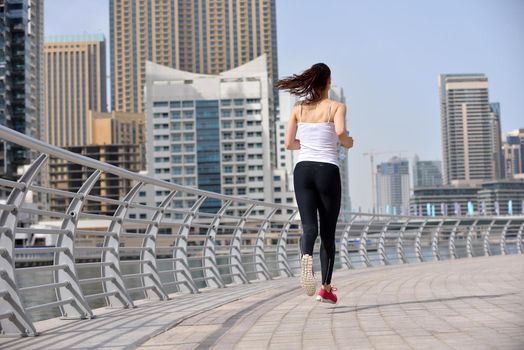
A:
x: 315, y: 125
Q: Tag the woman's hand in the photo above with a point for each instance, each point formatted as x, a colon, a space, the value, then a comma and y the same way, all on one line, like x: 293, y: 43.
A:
x: 347, y: 142
x: 294, y: 145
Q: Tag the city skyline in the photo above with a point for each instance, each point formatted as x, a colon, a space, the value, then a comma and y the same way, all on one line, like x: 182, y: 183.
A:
x: 389, y: 71
x: 203, y: 37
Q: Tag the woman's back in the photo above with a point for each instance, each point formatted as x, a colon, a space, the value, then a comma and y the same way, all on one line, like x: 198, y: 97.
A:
x: 316, y: 132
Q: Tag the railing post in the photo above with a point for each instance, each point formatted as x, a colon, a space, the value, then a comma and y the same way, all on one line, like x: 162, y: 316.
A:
x: 434, y: 241
x: 78, y: 308
x: 238, y: 274
x: 503, y: 250
x: 345, y: 259
x: 382, y: 244
x: 211, y: 272
x: 452, y: 252
x: 519, y: 238
x: 418, y: 246
x: 181, y: 264
x: 19, y: 322
x: 283, y: 264
x: 400, y: 246
x: 116, y: 283
x: 259, y: 252
x: 469, y: 239
x: 151, y: 277
x: 362, y: 244
x: 487, y: 250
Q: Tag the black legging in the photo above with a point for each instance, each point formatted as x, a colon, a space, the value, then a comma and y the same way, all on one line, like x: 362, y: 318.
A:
x: 318, y: 189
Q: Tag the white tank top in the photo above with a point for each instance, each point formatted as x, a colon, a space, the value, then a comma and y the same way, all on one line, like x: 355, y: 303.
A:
x: 318, y: 141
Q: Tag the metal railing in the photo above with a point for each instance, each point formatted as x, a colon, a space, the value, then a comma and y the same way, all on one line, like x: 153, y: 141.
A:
x: 171, y: 249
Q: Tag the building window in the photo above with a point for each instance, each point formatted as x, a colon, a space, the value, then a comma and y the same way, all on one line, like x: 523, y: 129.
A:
x: 160, y: 104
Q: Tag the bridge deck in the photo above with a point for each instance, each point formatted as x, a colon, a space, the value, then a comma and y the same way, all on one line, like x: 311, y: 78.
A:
x: 475, y: 303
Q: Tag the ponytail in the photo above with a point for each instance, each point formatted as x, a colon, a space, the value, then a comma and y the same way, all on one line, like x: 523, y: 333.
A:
x: 310, y: 84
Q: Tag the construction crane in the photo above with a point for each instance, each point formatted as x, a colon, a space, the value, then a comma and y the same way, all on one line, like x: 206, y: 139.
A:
x: 371, y: 155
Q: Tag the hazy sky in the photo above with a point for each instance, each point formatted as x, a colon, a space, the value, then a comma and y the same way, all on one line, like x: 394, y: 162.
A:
x: 387, y: 56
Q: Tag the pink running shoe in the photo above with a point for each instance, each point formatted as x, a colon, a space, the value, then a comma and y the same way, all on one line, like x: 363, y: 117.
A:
x: 327, y: 297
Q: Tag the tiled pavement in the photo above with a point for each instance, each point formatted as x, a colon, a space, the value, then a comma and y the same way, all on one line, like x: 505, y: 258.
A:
x: 475, y: 303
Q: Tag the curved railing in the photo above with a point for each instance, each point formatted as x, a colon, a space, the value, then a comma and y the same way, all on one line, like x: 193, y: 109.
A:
x: 115, y: 259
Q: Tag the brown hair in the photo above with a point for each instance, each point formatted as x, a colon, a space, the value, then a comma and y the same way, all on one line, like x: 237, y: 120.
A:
x: 309, y: 84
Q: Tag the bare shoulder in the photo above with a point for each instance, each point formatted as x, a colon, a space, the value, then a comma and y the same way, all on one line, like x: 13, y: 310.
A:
x: 338, y: 106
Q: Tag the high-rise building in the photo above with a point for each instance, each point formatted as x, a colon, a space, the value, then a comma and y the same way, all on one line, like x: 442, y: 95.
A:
x: 513, y: 154
x: 497, y: 157
x: 426, y: 173
x: 469, y: 128
x: 117, y: 138
x: 75, y: 81
x: 213, y: 132
x: 198, y: 36
x: 67, y: 176
x: 115, y: 128
x: 21, y: 73
x: 393, y: 186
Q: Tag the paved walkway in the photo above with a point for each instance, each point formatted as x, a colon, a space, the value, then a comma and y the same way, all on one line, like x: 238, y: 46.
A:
x: 475, y: 303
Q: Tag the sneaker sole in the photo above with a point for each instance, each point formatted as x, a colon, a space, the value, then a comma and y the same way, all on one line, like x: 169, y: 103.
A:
x: 322, y: 300
x: 307, y: 280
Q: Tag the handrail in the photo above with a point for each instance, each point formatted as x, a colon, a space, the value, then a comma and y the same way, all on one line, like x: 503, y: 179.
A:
x: 135, y: 260
x: 45, y: 148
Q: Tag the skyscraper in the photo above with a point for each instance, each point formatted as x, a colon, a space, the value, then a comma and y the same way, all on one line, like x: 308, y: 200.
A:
x: 211, y: 131
x: 116, y: 128
x: 21, y: 73
x: 393, y: 186
x: 75, y: 81
x: 469, y: 129
x: 198, y: 36
x: 497, y: 157
x: 513, y: 149
x: 426, y: 173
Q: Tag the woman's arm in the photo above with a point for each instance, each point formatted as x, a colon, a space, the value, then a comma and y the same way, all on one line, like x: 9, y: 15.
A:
x: 340, y: 126
x: 291, y: 141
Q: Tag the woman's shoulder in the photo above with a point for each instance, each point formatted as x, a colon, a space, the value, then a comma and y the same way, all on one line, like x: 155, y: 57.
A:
x: 336, y: 103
